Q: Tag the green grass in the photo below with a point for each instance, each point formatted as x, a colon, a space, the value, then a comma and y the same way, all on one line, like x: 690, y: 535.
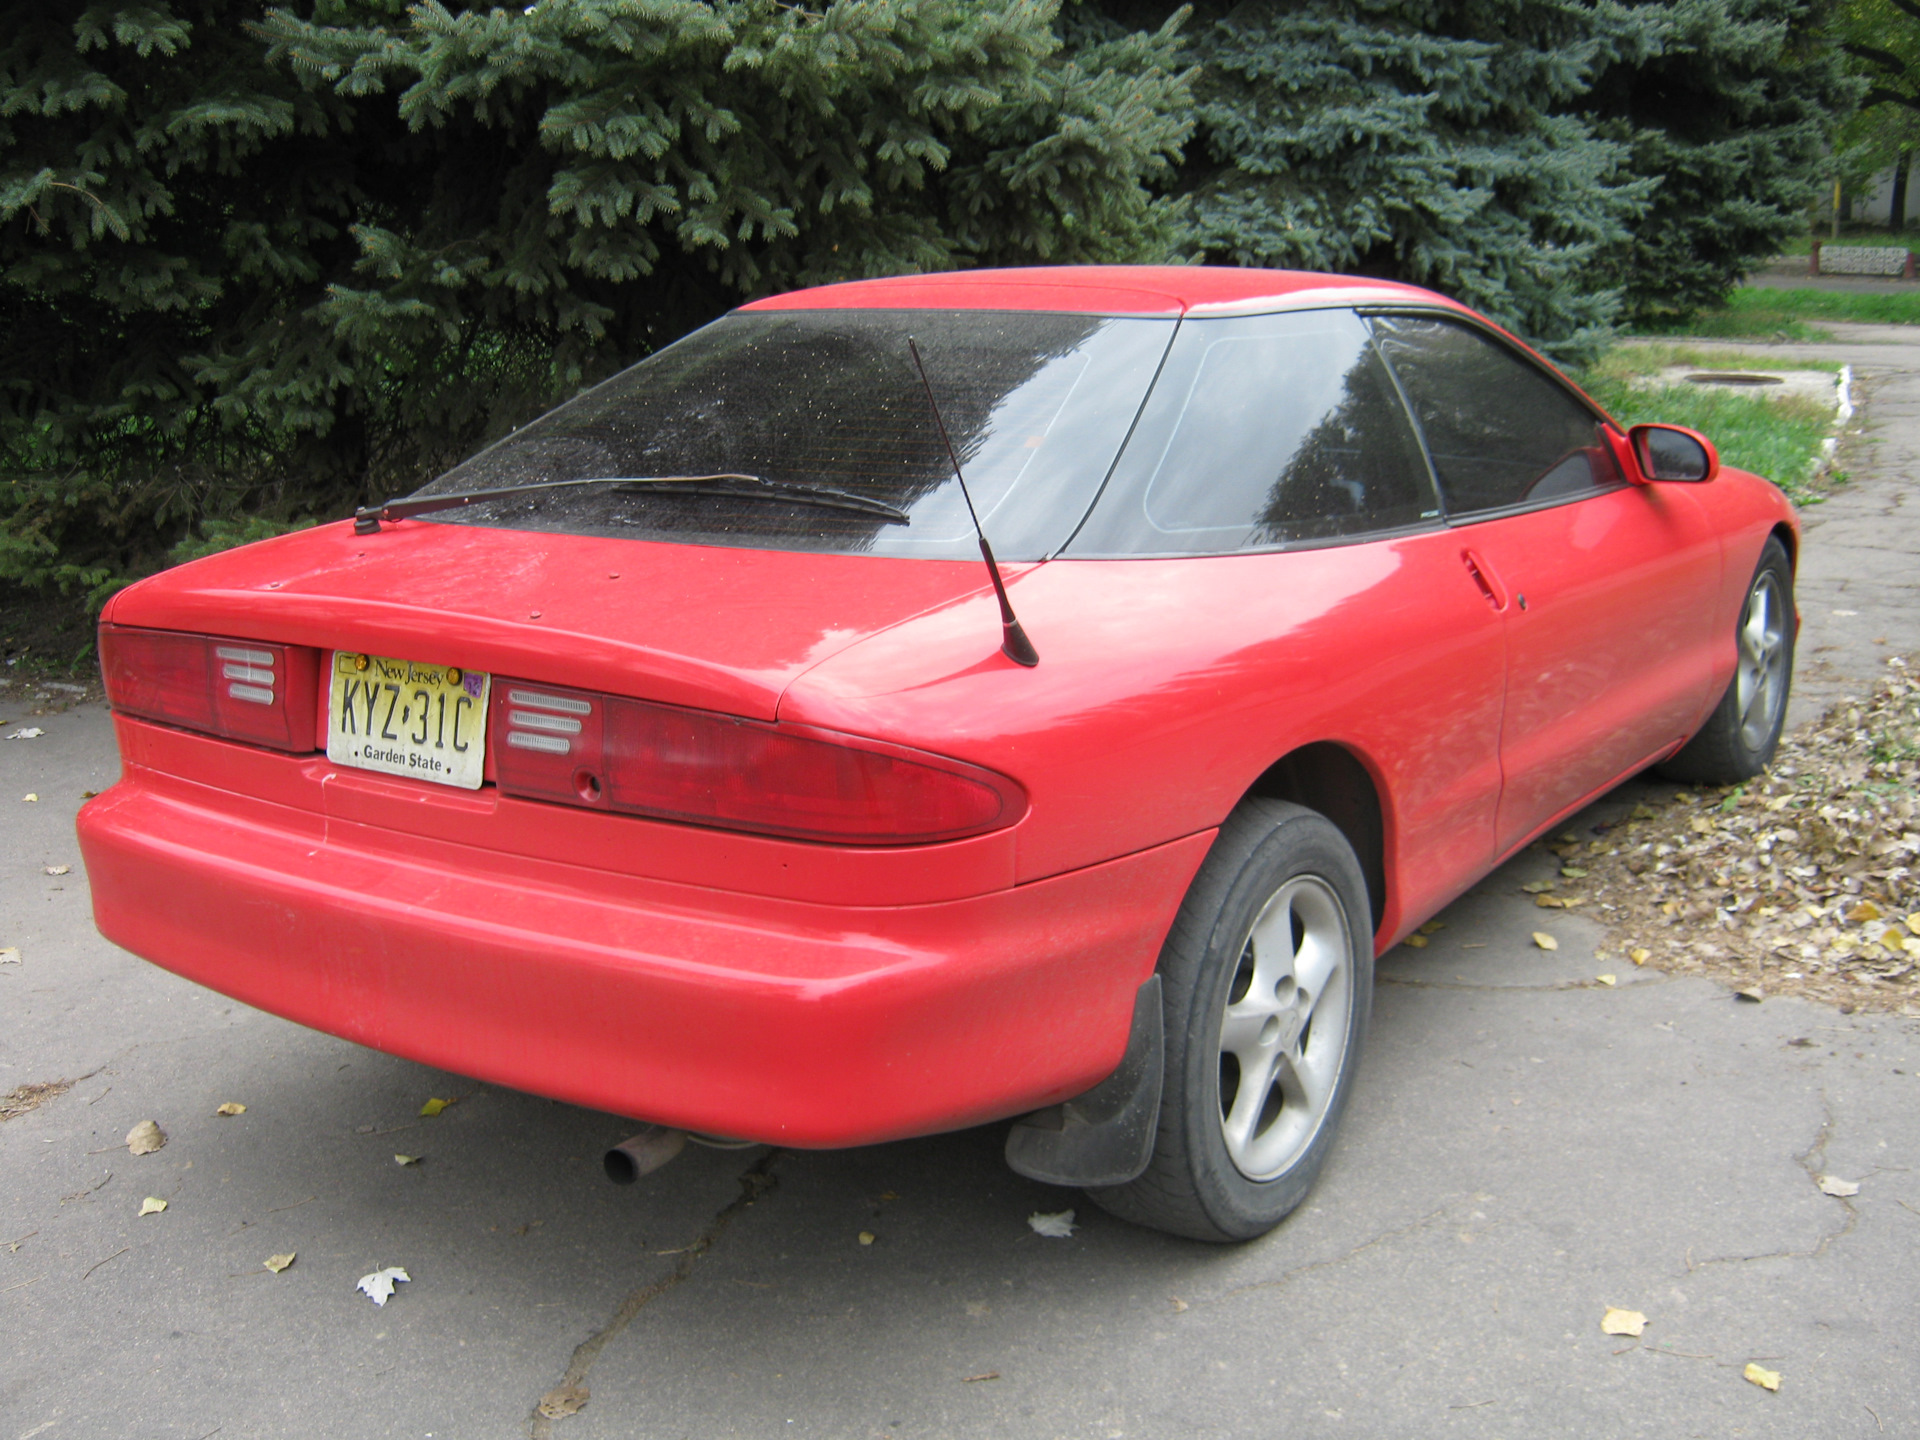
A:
x: 1650, y: 357
x: 1760, y: 313
x: 1777, y: 437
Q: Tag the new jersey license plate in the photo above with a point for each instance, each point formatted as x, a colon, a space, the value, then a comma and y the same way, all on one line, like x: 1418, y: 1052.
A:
x: 404, y: 718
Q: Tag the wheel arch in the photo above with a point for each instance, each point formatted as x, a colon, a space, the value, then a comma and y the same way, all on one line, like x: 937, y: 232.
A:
x: 1327, y: 777
x: 1790, y: 542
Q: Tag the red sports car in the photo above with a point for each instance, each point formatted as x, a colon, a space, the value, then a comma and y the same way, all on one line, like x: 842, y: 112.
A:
x: 689, y: 755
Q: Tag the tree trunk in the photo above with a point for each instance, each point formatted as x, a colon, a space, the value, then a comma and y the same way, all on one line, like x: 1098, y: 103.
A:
x: 1897, y: 207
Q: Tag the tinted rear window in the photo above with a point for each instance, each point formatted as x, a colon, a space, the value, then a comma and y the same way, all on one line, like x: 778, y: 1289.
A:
x: 1037, y: 406
x: 1264, y: 431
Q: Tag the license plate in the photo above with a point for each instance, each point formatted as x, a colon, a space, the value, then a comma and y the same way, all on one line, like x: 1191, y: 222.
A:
x: 404, y: 718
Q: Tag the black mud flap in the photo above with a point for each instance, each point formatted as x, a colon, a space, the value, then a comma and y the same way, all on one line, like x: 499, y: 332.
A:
x: 1104, y: 1137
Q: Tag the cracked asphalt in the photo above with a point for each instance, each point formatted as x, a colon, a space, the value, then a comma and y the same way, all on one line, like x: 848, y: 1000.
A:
x: 1527, y: 1147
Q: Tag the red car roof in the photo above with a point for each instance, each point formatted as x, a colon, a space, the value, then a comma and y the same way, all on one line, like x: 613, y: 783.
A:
x: 1094, y: 289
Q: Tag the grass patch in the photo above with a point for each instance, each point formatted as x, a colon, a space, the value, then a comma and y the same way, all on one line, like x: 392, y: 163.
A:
x: 1775, y: 436
x: 1760, y: 313
x: 1651, y: 357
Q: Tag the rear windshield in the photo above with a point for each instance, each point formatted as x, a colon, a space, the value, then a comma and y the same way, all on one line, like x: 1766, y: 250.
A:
x: 1037, y: 406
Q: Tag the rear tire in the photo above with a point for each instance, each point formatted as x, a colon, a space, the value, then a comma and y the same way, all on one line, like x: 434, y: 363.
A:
x: 1267, y: 978
x: 1740, y: 736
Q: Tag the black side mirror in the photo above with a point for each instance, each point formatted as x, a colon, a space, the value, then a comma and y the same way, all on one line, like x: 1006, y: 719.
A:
x: 1668, y: 452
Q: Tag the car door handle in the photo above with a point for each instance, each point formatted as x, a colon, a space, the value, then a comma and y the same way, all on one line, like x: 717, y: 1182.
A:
x: 1484, y: 577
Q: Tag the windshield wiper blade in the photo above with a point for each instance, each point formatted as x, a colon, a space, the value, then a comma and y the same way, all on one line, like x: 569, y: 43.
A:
x: 822, y: 495
x: 366, y: 519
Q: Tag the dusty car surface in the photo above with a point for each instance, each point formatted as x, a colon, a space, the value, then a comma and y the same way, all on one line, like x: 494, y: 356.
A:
x: 702, y: 777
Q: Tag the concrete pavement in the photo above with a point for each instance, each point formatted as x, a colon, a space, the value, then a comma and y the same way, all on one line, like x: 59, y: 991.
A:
x: 1526, y: 1148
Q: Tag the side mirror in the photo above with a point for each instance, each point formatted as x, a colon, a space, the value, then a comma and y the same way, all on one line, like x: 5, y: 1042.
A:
x: 1667, y: 452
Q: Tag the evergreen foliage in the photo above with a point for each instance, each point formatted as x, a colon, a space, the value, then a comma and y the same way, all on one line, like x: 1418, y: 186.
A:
x: 256, y: 265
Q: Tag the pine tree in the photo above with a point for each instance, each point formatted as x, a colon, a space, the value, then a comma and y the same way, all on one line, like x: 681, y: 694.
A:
x: 256, y: 265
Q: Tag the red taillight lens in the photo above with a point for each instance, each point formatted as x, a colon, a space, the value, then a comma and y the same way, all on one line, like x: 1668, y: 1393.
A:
x: 239, y: 689
x: 692, y: 765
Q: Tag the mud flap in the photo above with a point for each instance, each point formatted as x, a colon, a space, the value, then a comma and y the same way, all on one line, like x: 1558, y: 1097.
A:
x: 1104, y: 1137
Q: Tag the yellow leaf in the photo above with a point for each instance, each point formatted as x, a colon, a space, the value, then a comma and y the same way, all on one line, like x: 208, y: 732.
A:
x: 57, y: 869
x: 1639, y: 956
x: 1572, y: 872
x: 152, y: 1205
x: 1913, y: 923
x: 145, y: 1138
x: 866, y: 1237
x: 1549, y: 902
x: 1764, y: 1378
x: 1545, y: 941
x: 1535, y: 887
x: 1863, y: 912
x: 232, y: 1107
x: 406, y: 1159
x: 1700, y: 825
x: 1622, y: 1322
x: 1433, y: 927
x: 277, y: 1263
x: 434, y: 1106
x: 1608, y: 980
x: 1840, y: 1189
x: 1569, y: 838
x: 1416, y: 941
x: 1642, y: 812
x: 29, y: 799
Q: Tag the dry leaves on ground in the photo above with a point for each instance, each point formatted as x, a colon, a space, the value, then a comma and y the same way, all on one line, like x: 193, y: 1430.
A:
x: 277, y: 1263
x: 1803, y: 880
x: 10, y: 955
x: 152, y: 1205
x: 22, y: 1098
x: 378, y: 1287
x: 1833, y: 1185
x: 145, y: 1138
x: 1766, y: 1379
x: 231, y: 1107
x: 1058, y: 1226
x: 435, y: 1105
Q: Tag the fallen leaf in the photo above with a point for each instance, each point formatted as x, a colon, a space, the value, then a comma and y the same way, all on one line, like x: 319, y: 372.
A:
x: 1569, y: 838
x: 1433, y: 927
x: 1415, y: 942
x: 88, y: 794
x: 1056, y: 1226
x: 434, y: 1106
x: 32, y: 732
x: 866, y: 1237
x: 1913, y: 923
x: 563, y: 1400
x: 1572, y: 872
x: 29, y: 798
x: 1700, y: 825
x: 231, y: 1107
x: 1752, y: 994
x: 145, y: 1138
x: 1865, y: 911
x: 1549, y: 902
x: 10, y: 955
x: 58, y: 869
x: 1840, y: 1189
x: 1545, y: 941
x: 406, y: 1159
x: 1764, y: 1378
x: 1622, y: 1322
x: 983, y: 1375
x: 277, y: 1263
x: 1535, y: 887
x: 378, y: 1287
x: 1608, y: 980
x: 152, y: 1205
x: 1639, y: 956
x: 1179, y: 1305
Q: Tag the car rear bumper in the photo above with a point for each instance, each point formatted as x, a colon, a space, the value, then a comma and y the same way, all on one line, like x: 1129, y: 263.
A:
x: 761, y: 1018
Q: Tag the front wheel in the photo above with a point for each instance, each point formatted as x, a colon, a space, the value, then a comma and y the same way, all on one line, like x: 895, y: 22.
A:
x: 1267, y: 976
x: 1739, y: 737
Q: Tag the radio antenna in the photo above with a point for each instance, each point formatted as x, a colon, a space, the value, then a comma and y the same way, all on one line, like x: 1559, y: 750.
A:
x: 1014, y: 643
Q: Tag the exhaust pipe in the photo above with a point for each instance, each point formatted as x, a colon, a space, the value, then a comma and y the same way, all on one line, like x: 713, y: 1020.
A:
x: 644, y: 1153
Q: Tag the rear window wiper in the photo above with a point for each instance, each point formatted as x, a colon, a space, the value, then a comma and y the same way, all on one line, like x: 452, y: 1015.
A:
x: 366, y: 520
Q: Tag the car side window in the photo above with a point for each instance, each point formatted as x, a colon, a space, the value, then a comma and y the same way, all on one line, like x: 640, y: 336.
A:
x: 1264, y: 431
x: 1501, y: 433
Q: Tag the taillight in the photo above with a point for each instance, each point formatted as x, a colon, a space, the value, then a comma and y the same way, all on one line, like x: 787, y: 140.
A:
x: 239, y: 689
x: 677, y: 764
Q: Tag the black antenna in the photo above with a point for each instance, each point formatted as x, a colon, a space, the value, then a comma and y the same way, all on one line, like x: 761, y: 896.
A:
x: 1014, y: 643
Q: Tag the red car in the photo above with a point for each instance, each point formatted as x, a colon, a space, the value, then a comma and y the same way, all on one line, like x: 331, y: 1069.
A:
x: 709, y: 774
